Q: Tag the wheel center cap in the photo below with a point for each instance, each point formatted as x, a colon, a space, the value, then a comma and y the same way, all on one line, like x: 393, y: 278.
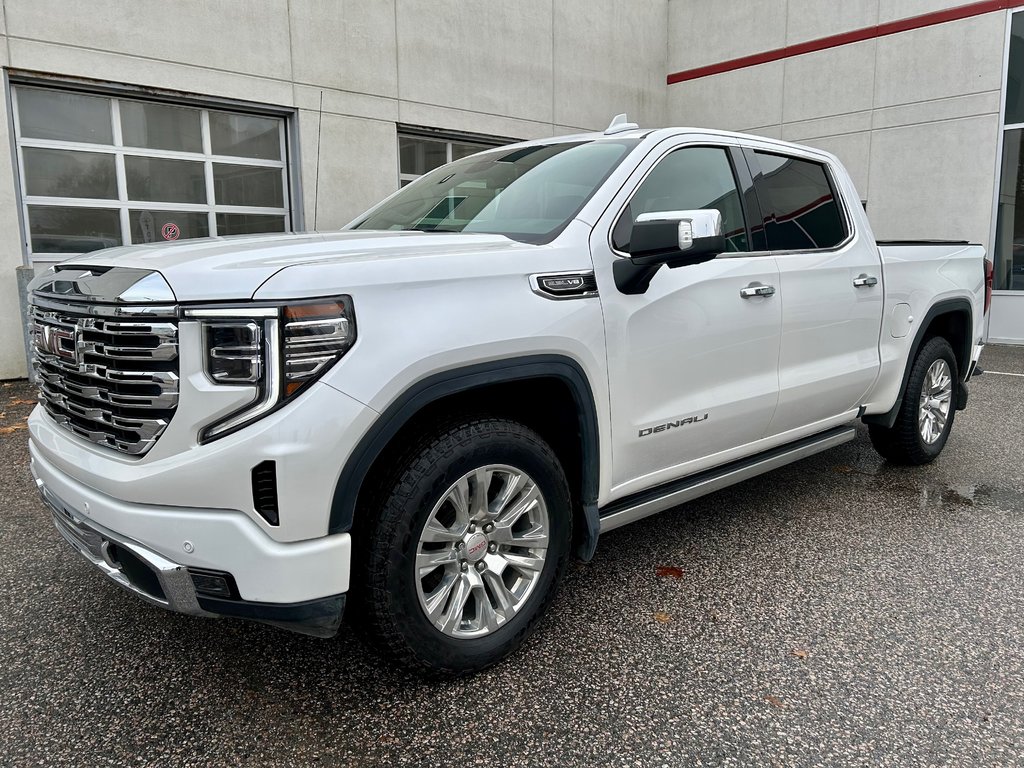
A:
x: 476, y: 547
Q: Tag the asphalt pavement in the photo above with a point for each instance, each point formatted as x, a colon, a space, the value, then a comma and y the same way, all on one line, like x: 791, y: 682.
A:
x: 839, y: 611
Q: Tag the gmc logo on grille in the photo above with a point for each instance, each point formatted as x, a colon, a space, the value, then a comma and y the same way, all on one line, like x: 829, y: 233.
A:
x: 53, y: 340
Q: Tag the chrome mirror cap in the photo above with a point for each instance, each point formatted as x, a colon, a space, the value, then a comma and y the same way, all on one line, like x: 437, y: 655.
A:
x: 693, y: 225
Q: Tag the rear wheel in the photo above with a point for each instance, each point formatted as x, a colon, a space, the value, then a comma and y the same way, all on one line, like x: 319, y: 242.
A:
x: 926, y: 414
x: 470, y: 544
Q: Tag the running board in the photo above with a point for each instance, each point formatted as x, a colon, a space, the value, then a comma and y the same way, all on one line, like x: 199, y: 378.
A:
x: 646, y: 503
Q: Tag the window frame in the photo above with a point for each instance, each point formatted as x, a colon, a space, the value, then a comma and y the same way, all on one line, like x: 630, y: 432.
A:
x: 754, y: 167
x: 744, y: 187
x: 290, y: 209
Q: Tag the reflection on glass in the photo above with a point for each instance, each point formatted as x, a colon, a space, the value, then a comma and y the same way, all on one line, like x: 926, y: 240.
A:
x: 799, y: 207
x: 60, y: 229
x: 64, y: 116
x: 418, y: 156
x: 248, y: 223
x: 245, y: 136
x: 163, y: 226
x: 1009, y: 245
x: 60, y: 173
x: 529, y: 194
x: 170, y: 181
x: 248, y: 185
x: 160, y: 126
x: 689, y: 179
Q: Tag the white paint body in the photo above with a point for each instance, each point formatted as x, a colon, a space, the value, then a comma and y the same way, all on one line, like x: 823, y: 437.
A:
x: 767, y: 371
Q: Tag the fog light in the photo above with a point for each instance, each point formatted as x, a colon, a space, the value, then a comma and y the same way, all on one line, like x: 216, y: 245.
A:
x: 213, y: 583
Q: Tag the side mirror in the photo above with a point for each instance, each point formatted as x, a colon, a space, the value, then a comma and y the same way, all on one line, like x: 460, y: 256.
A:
x: 675, y: 238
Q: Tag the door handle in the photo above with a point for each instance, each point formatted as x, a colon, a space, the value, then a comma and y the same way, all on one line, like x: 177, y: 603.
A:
x: 865, y: 280
x: 757, y: 289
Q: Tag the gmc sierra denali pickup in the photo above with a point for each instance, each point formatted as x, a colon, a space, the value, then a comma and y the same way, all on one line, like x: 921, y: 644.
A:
x: 426, y: 414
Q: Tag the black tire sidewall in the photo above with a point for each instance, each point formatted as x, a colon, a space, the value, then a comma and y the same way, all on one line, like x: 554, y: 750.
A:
x: 414, y: 496
x: 934, y: 349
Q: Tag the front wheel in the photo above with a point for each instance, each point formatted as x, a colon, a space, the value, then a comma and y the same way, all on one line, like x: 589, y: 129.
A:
x: 926, y: 414
x: 471, y: 541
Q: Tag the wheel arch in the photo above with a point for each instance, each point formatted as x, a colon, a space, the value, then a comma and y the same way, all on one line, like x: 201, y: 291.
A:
x: 953, y: 320
x: 464, y: 381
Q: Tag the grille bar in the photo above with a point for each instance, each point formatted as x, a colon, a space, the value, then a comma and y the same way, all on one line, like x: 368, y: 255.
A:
x: 107, y: 373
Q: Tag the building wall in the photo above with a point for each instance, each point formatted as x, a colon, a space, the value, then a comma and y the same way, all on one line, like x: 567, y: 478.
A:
x: 914, y: 116
x: 522, y: 70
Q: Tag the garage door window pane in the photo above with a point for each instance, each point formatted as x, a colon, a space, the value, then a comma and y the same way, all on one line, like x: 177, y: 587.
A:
x: 460, y: 151
x: 248, y: 185
x: 245, y: 136
x: 56, y: 229
x: 60, y: 173
x: 162, y: 226
x: 170, y: 181
x: 248, y: 223
x: 45, y: 114
x: 161, y: 126
x: 418, y: 156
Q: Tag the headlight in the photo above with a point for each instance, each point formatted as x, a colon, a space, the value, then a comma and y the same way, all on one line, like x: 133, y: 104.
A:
x: 275, y: 349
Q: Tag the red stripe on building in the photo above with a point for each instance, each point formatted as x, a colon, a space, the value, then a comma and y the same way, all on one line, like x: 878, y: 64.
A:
x: 845, y: 38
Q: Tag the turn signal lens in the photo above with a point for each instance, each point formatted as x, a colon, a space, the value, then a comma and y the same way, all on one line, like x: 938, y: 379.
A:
x: 315, y: 336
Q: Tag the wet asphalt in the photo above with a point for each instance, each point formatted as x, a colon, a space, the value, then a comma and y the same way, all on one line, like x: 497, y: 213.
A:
x: 840, y: 611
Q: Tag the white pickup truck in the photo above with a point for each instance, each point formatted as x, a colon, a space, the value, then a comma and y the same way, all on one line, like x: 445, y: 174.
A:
x: 432, y: 410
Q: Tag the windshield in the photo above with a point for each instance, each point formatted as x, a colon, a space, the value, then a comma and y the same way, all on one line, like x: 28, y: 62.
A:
x: 529, y: 194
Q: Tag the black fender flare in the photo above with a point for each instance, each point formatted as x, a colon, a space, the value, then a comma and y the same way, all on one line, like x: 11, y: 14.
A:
x: 943, y: 307
x: 436, y: 386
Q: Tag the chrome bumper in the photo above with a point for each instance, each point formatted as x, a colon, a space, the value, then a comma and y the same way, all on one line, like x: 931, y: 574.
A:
x: 171, y: 584
x: 162, y: 582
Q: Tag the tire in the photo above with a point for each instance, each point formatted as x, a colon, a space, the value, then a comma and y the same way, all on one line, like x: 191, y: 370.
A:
x: 439, y: 475
x: 904, y: 442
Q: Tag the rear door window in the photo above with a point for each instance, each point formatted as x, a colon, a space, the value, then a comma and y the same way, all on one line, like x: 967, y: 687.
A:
x: 801, y: 208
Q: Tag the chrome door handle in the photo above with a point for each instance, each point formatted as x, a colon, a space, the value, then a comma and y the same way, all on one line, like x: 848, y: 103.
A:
x: 865, y: 280
x: 757, y: 289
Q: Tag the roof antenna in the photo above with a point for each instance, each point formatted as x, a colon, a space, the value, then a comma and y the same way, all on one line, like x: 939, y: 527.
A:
x: 316, y: 183
x: 619, y: 124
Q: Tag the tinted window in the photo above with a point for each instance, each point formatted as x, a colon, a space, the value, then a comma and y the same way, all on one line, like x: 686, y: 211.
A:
x: 800, y: 208
x: 693, y: 178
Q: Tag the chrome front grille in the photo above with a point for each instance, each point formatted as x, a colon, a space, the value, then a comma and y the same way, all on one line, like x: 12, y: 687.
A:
x: 108, y: 373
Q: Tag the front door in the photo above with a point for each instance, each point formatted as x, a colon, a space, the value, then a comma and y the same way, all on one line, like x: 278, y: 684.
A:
x: 692, y: 363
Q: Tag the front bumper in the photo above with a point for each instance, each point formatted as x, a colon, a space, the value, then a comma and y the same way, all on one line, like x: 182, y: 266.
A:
x: 299, y: 586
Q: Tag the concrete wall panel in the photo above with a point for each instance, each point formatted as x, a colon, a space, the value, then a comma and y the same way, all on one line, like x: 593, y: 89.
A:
x: 348, y: 46
x: 609, y: 57
x: 737, y: 100
x: 830, y: 82
x: 940, y: 61
x: 358, y: 167
x: 191, y: 32
x: 934, y: 179
x: 709, y: 31
x: 811, y: 19
x: 495, y: 62
x: 12, y: 344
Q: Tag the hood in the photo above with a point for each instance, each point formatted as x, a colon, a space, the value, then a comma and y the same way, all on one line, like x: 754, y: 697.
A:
x: 233, y: 268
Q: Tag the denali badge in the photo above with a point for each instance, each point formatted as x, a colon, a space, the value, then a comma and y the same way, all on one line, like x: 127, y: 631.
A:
x: 671, y: 424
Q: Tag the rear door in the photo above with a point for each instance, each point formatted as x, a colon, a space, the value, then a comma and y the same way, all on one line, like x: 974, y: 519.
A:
x: 830, y: 283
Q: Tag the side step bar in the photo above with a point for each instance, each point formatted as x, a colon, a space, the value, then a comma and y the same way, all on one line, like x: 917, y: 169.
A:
x: 646, y: 503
